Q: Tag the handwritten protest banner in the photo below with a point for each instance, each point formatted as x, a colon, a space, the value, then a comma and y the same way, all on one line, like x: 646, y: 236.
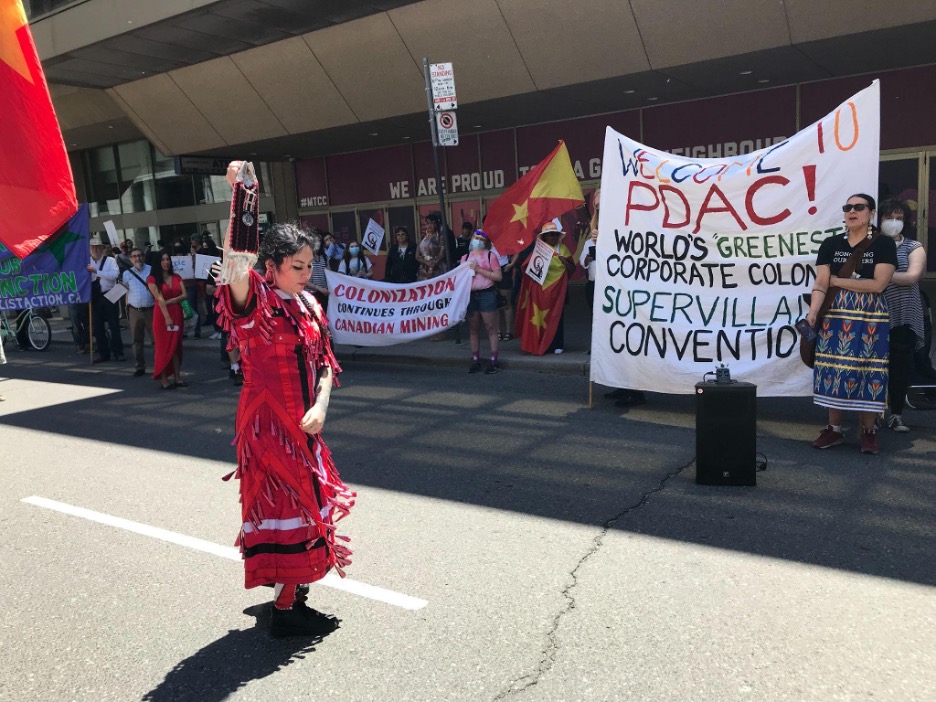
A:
x: 54, y: 274
x: 203, y: 264
x: 703, y: 261
x: 538, y: 265
x: 368, y: 313
x: 373, y: 237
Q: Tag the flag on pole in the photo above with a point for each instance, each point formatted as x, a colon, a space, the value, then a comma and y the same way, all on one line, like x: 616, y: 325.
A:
x: 548, y: 190
x: 37, y: 190
x: 539, y: 307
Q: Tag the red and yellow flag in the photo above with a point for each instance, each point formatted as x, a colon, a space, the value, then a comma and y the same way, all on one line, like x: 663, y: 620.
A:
x: 547, y: 190
x: 37, y: 190
x: 539, y: 307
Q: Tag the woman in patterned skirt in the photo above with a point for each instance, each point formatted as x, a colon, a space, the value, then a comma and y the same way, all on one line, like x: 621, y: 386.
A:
x: 850, y: 372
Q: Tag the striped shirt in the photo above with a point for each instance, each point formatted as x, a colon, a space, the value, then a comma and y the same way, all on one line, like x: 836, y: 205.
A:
x: 903, y: 301
x: 319, y: 264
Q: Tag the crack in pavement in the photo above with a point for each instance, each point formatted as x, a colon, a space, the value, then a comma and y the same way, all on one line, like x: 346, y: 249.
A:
x: 551, y: 648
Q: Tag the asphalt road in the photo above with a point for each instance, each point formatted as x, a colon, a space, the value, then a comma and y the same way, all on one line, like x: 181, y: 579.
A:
x: 562, y: 553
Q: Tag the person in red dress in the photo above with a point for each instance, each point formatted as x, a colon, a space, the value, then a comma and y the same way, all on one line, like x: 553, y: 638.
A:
x: 169, y: 291
x: 291, y: 493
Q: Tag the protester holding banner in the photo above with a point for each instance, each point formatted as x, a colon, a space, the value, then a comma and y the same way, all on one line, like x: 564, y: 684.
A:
x: 318, y: 283
x: 482, y: 306
x: 431, y: 250
x: 291, y: 493
x: 402, y: 266
x: 104, y: 274
x: 905, y: 306
x: 541, y: 307
x: 168, y: 290
x: 851, y: 367
x: 355, y: 263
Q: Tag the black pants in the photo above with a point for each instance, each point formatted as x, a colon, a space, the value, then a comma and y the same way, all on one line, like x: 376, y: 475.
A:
x: 106, y: 313
x: 900, y: 366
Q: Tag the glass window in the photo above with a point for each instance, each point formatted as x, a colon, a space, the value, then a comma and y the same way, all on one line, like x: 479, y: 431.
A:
x: 103, y: 188
x: 212, y: 188
x: 172, y: 190
x: 136, y: 177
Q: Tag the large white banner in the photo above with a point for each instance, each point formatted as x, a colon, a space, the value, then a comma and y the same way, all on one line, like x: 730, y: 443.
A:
x: 368, y: 313
x: 704, y: 261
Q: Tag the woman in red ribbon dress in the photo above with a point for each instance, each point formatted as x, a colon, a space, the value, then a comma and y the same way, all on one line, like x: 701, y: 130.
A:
x: 168, y: 321
x: 291, y: 493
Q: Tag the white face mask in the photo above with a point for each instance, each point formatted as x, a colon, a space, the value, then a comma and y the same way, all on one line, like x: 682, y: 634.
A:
x: 892, y: 227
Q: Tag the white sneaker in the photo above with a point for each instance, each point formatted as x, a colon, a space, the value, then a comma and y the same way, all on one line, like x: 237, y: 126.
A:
x: 557, y: 351
x: 215, y: 337
x: 896, y: 423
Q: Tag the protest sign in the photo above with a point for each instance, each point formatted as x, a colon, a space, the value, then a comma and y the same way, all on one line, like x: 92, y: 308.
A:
x: 704, y: 261
x: 373, y: 237
x: 203, y: 264
x: 111, y: 231
x: 116, y: 292
x: 538, y: 265
x: 183, y: 266
x: 55, y: 274
x: 368, y: 313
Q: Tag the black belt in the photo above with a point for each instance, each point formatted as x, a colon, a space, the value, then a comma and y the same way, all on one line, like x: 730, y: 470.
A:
x: 140, y: 308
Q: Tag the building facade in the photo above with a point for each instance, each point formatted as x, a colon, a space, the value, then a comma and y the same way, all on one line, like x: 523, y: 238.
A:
x: 330, y: 99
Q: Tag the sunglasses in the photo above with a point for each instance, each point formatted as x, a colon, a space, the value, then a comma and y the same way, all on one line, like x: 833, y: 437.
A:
x: 860, y: 207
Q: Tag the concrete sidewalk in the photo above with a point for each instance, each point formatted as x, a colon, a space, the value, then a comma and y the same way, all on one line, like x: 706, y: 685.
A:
x: 454, y: 350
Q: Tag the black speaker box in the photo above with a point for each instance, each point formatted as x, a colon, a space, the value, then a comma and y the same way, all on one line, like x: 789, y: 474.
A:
x: 726, y: 433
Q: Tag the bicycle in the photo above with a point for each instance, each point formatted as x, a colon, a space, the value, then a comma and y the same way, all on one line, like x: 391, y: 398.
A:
x: 37, y: 329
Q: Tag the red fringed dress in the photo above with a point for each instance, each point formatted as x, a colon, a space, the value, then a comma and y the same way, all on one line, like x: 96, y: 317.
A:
x: 291, y: 493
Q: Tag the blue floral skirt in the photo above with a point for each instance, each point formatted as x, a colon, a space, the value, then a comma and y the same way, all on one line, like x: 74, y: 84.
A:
x: 850, y: 372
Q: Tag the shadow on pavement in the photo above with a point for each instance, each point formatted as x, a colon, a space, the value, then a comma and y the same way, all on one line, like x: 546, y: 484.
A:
x: 526, y: 443
x: 224, y: 666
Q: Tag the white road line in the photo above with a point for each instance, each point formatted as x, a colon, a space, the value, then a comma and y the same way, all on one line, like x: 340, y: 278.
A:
x: 371, y: 592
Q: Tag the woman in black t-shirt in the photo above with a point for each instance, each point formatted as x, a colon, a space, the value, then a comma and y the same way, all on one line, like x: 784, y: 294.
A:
x: 850, y: 372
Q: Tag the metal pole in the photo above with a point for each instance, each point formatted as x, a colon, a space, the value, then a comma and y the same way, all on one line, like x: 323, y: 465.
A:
x: 438, y: 175
x: 435, y: 155
x: 90, y: 336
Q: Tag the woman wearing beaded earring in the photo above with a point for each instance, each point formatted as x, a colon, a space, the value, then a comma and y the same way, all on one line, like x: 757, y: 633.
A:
x: 850, y: 371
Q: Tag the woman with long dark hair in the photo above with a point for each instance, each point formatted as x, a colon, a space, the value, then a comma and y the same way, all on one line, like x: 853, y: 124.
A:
x: 291, y: 493
x: 168, y: 290
x: 850, y: 371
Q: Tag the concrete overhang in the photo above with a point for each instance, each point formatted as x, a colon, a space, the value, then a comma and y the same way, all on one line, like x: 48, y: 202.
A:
x: 355, y: 81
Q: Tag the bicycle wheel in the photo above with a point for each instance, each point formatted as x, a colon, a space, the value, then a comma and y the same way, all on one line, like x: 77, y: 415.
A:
x: 40, y: 333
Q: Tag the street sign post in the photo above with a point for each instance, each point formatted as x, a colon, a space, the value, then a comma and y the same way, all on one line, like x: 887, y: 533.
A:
x: 447, y: 128
x: 443, y: 86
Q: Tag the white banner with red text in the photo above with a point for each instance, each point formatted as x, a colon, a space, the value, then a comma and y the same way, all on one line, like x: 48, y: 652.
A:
x: 369, y: 313
x: 704, y: 261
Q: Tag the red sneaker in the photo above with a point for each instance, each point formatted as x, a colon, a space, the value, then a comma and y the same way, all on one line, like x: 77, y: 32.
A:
x: 828, y: 438
x: 869, y: 441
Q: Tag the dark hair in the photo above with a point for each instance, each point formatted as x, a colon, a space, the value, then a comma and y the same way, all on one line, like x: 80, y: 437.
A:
x: 467, y: 225
x: 284, y: 240
x: 866, y: 198
x: 347, y: 255
x: 435, y: 217
x: 156, y: 266
x: 871, y: 206
x: 894, y: 204
x: 397, y: 230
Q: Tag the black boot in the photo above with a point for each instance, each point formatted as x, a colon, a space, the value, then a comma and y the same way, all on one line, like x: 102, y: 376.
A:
x: 300, y: 620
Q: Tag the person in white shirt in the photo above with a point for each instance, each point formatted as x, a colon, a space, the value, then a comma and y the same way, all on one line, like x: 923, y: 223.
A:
x: 355, y: 263
x: 139, y: 307
x: 104, y: 274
